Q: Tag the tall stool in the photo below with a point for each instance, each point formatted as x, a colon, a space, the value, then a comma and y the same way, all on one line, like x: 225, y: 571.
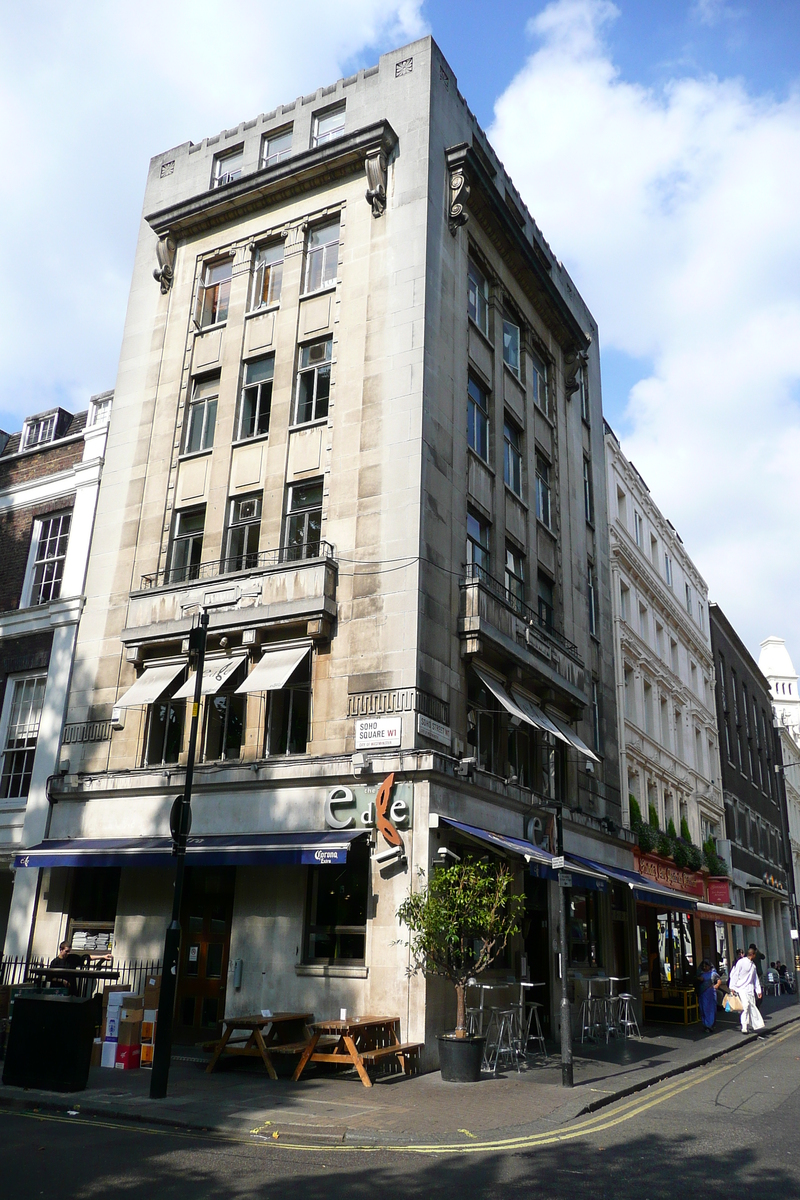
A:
x: 501, y: 1025
x: 627, y: 1016
x: 536, y: 1035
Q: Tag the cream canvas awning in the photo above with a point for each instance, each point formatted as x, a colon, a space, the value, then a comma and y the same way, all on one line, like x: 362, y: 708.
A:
x: 215, y: 674
x: 571, y: 736
x: 150, y: 686
x: 535, y: 716
x: 500, y: 693
x: 274, y: 669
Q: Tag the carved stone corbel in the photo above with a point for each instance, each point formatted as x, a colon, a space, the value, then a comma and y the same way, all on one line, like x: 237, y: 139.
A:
x: 375, y: 167
x: 457, y: 214
x: 165, y: 253
x: 574, y: 363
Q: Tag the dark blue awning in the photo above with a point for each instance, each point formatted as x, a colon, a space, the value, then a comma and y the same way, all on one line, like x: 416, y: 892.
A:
x: 540, y: 861
x: 645, y: 891
x: 328, y: 847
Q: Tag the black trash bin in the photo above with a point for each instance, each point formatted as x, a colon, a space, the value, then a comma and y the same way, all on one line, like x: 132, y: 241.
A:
x: 50, y: 1043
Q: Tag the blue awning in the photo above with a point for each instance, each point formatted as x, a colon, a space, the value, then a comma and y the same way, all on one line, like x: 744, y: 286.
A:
x: 541, y: 861
x: 643, y: 889
x: 328, y: 847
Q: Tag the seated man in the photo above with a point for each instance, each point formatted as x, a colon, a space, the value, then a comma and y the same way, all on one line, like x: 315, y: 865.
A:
x: 66, y: 958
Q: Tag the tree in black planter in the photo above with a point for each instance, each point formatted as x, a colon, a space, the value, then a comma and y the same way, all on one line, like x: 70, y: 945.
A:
x: 459, y: 922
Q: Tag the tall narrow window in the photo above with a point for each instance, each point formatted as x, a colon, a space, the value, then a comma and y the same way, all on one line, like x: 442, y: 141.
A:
x: 511, y: 346
x: 630, y: 693
x: 546, y: 605
x: 698, y: 752
x: 478, y: 298
x: 201, y: 416
x: 595, y: 716
x: 322, y: 256
x: 688, y: 599
x: 678, y: 719
x: 328, y: 125
x: 512, y: 457
x: 543, y: 490
x: 648, y: 708
x: 336, y: 910
x: 244, y: 528
x: 187, y: 545
x: 478, y: 419
x: 289, y: 711
x: 256, y: 401
x: 588, y: 492
x: 276, y: 146
x: 624, y: 600
x: 665, y: 739
x: 22, y: 731
x: 223, y: 730
x: 539, y: 380
x: 313, y: 382
x: 668, y: 569
x: 228, y: 167
x: 477, y: 547
x: 267, y: 276
x: 303, y: 521
x: 638, y: 531
x: 164, y: 736
x: 592, y: 587
x: 515, y: 577
x: 51, y: 535
x: 214, y: 293
x: 586, y: 412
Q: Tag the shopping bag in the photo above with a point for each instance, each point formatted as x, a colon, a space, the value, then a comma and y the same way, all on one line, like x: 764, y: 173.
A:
x: 733, y: 1003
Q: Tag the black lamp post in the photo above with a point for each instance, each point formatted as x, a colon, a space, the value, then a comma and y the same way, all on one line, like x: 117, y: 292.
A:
x: 565, y: 1022
x: 180, y: 823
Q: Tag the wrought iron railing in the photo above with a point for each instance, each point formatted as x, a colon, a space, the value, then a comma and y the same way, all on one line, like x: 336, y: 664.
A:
x: 539, y: 624
x: 193, y: 572
x: 132, y: 972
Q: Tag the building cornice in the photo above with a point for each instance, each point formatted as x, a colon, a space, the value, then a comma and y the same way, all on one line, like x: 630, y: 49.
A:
x: 23, y: 621
x: 51, y: 487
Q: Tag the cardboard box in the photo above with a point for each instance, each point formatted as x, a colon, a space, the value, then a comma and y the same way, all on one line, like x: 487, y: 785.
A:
x: 130, y: 1012
x: 114, y: 992
x: 108, y: 1054
x: 128, y: 1058
x: 130, y: 1033
x: 146, y: 1059
x: 112, y: 1026
x: 152, y: 990
x: 150, y: 1014
x: 117, y: 999
x: 97, y: 1053
x: 148, y: 1031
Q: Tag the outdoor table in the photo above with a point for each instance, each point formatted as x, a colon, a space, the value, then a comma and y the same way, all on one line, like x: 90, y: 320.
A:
x: 359, y: 1041
x: 497, y: 986
x: 84, y: 974
x: 281, y: 1027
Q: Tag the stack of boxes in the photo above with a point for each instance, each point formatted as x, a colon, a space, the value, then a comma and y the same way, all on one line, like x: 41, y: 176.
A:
x: 129, y: 1025
x: 152, y: 990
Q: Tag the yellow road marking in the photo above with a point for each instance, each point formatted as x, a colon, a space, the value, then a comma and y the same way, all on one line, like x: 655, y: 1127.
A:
x: 595, y: 1123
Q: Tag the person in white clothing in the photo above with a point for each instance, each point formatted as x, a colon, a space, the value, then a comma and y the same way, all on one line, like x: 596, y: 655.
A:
x: 745, y: 983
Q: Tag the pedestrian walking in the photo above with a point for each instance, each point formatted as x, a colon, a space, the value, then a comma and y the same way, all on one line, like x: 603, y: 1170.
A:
x: 744, y: 982
x: 707, y: 983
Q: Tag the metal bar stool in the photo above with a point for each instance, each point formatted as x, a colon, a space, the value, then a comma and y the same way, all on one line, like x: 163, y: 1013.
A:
x: 533, y: 1019
x: 501, y: 1047
x: 627, y: 1016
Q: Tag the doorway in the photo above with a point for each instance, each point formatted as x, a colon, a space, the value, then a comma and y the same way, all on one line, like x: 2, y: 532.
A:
x: 205, y: 947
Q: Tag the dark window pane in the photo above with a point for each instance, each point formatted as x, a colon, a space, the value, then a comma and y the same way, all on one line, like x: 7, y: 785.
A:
x: 210, y: 1012
x: 214, y: 960
x: 187, y: 1011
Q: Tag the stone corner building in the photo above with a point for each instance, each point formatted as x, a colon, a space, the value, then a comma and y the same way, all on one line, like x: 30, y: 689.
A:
x: 358, y: 420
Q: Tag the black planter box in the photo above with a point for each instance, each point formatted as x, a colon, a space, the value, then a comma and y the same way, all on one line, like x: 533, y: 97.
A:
x: 460, y: 1058
x: 50, y: 1043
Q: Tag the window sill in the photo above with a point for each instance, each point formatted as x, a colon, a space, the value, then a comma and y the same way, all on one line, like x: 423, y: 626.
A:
x: 484, y: 463
x: 309, y: 424
x: 481, y: 333
x: 195, y: 454
x: 210, y: 328
x: 264, y: 308
x: 329, y: 287
x: 331, y: 971
x: 546, y: 415
x: 515, y: 376
x: 510, y: 491
x: 257, y: 437
x: 546, y: 528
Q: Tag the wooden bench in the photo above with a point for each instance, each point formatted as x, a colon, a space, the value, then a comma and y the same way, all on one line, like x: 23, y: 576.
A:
x: 406, y: 1053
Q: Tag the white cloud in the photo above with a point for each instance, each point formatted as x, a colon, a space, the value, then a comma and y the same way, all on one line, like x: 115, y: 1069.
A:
x: 88, y: 93
x: 676, y: 212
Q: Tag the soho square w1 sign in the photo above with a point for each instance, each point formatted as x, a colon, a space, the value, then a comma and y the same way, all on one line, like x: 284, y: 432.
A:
x: 375, y: 733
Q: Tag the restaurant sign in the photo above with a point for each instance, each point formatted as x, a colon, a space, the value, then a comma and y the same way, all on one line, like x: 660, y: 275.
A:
x: 355, y: 807
x: 662, y: 871
x: 719, y: 891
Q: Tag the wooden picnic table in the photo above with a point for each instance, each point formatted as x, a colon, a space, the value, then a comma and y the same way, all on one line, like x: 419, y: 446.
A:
x: 282, y: 1029
x: 359, y: 1042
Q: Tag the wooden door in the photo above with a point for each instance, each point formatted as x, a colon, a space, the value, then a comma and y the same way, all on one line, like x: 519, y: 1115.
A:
x: 205, y: 947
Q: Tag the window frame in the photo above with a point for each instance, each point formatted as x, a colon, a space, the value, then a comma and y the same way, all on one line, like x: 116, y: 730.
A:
x: 544, y: 507
x: 28, y: 597
x: 540, y: 381
x: 326, y: 366
x: 478, y: 284
x: 9, y: 799
x: 514, y: 576
x: 638, y: 528
x: 268, y: 273
x: 324, y: 250
x: 512, y: 457
x: 248, y: 559
x: 190, y: 569
x: 477, y: 417
x: 44, y: 427
x: 261, y: 404
x: 318, y: 139
x: 306, y: 512
x: 591, y: 576
x: 546, y: 604
x: 480, y: 563
x: 269, y: 160
x: 172, y: 706
x: 588, y: 491
x: 222, y: 290
x: 358, y: 860
x: 220, y: 178
x: 303, y: 685
x: 209, y: 402
x: 509, y: 325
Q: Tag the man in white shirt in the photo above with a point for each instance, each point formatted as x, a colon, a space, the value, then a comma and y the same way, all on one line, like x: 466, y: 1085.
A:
x: 745, y: 983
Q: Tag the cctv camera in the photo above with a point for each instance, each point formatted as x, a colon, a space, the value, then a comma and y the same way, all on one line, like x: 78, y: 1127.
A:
x: 589, y: 767
x: 445, y: 853
x: 386, y: 856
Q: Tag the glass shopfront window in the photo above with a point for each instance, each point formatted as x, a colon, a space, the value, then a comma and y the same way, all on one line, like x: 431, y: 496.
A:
x: 583, y: 920
x: 336, y: 921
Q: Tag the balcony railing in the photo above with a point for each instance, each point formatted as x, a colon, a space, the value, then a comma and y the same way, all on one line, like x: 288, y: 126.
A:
x: 241, y: 562
x: 523, y: 611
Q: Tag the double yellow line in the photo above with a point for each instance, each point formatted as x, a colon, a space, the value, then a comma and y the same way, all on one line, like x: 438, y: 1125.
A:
x: 597, y: 1123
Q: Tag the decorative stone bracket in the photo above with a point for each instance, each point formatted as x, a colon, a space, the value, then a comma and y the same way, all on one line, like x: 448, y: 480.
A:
x: 375, y: 167
x: 457, y: 214
x: 574, y: 362
x: 165, y: 271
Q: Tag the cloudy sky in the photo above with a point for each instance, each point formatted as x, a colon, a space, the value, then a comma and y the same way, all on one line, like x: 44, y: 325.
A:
x: 656, y: 143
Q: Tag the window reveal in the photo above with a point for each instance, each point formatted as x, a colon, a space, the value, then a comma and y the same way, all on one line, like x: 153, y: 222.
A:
x: 322, y: 256
x: 21, y: 735
x: 267, y: 276
x: 187, y: 545
x: 336, y: 930
x: 52, y: 536
x: 512, y: 457
x: 477, y: 546
x: 303, y: 520
x: 214, y: 293
x: 478, y: 420
x: 201, y: 416
x: 288, y: 713
x: 244, y: 529
x: 256, y: 402
x: 478, y: 298
x: 313, y: 382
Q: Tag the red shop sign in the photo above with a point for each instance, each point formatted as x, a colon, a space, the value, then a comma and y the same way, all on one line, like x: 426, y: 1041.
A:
x: 663, y: 871
x: 719, y: 891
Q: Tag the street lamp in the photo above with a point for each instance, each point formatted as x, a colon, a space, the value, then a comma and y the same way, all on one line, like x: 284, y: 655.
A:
x: 566, y: 1031
x: 180, y: 823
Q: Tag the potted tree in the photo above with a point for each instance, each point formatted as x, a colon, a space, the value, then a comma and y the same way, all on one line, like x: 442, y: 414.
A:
x: 458, y: 924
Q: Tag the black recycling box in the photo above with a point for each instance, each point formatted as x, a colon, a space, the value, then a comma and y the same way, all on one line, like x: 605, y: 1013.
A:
x: 50, y: 1043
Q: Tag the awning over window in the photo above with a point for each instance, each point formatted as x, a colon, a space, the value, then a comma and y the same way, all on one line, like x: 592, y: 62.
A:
x: 274, y: 669
x: 500, y: 693
x: 277, y: 849
x: 644, y: 891
x: 150, y: 686
x: 730, y: 916
x: 535, y: 716
x: 531, y: 853
x: 571, y: 736
x: 215, y: 674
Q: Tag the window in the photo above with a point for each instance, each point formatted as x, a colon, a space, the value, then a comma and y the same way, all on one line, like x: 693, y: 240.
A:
x: 244, y: 528
x: 515, y: 576
x: 693, y: 677
x: 588, y: 494
x: 511, y: 346
x: 276, y: 146
x: 51, y: 535
x: 648, y: 708
x: 24, y: 701
x: 223, y: 733
x: 214, y: 293
x: 477, y: 547
x: 638, y: 532
x: 678, y: 716
x: 659, y: 640
x: 668, y: 569
x: 664, y: 707
x: 303, y: 520
x: 546, y: 607
x: 322, y: 256
x: 313, y: 382
x: 698, y: 752
x: 256, y: 401
x: 267, y: 276
x: 288, y: 713
x: 630, y: 693
x: 654, y: 551
x: 735, y: 694
x: 512, y: 457
x: 187, y: 545
x: 228, y: 167
x: 100, y: 410
x: 586, y: 412
x: 164, y: 735
x: 483, y: 725
x: 595, y: 716
x: 201, y: 417
x: 688, y: 598
x: 328, y: 125
x: 478, y: 420
x: 722, y: 692
x: 478, y: 298
x: 39, y: 431
x: 622, y: 507
x: 543, y: 490
x: 673, y: 656
x: 541, y: 396
x: 700, y: 615
x: 643, y: 623
x: 336, y: 930
x: 592, y: 586
x: 584, y: 928
x: 624, y: 600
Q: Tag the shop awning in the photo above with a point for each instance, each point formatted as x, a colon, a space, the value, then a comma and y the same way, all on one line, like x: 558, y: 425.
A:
x: 730, y: 916
x: 644, y: 891
x: 150, y: 686
x: 530, y: 852
x: 215, y: 674
x: 274, y: 669
x: 571, y: 736
x: 328, y: 847
x: 500, y: 693
x: 535, y: 716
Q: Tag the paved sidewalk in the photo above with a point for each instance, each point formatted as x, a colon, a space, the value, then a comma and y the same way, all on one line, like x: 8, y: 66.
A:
x: 327, y: 1108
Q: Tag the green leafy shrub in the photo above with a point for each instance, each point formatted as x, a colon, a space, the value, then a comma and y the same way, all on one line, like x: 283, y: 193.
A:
x: 715, y: 864
x: 671, y: 830
x: 685, y: 832
x: 636, y: 812
x: 653, y: 814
